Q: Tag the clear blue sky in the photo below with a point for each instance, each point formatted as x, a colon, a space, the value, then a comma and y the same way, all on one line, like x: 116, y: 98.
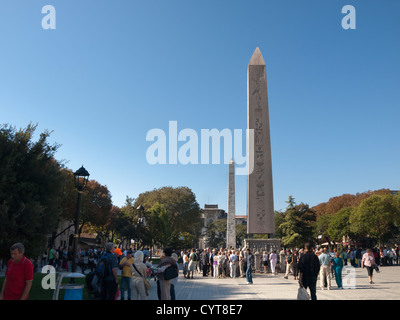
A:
x: 113, y: 70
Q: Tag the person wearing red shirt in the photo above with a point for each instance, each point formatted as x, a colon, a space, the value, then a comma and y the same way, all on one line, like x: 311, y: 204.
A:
x: 18, y: 276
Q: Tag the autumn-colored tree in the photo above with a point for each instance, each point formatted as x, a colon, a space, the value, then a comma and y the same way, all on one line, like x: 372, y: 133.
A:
x: 96, y: 203
x: 335, y: 204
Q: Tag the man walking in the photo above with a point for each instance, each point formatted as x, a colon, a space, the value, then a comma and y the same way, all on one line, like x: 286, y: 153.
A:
x: 309, y: 268
x: 288, y: 264
x: 325, y: 274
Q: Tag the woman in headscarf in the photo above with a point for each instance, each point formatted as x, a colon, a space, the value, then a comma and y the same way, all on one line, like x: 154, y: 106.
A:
x: 139, y: 271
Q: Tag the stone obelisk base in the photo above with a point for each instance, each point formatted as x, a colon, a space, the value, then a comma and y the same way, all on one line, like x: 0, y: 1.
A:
x: 257, y: 248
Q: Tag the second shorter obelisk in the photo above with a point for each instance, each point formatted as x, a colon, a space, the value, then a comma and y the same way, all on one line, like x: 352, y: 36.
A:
x: 231, y: 221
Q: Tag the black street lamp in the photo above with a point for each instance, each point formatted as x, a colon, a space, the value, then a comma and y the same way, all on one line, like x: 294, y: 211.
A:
x: 81, y: 177
x: 141, y: 221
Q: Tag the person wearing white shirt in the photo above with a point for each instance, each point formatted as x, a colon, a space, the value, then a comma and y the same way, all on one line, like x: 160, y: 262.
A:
x: 273, y: 258
x: 233, y: 258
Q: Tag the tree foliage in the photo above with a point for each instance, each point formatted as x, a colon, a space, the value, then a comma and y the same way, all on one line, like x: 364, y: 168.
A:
x: 297, y: 225
x: 96, y: 207
x: 335, y: 204
x: 339, y: 225
x: 170, y: 212
x: 216, y: 233
x: 377, y: 217
x: 31, y: 189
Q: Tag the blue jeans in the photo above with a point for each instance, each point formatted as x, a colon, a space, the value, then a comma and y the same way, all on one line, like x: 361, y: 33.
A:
x: 125, y: 281
x: 248, y: 275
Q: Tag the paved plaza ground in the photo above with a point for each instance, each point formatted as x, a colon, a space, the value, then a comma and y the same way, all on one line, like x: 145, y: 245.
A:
x: 268, y: 287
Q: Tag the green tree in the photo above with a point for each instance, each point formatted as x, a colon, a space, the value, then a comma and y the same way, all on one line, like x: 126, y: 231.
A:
x: 339, y: 225
x: 160, y: 227
x: 31, y: 188
x: 279, y: 219
x: 179, y: 208
x: 297, y: 227
x: 321, y: 228
x: 377, y: 217
x: 241, y: 234
x: 215, y: 233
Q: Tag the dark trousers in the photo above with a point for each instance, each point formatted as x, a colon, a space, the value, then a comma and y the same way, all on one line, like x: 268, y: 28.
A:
x: 108, y: 290
x: 244, y: 268
x: 206, y: 267
x: 311, y: 283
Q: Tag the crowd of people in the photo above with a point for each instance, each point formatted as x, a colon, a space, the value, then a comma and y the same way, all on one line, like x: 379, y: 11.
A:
x: 328, y: 264
x: 136, y: 268
x: 218, y: 263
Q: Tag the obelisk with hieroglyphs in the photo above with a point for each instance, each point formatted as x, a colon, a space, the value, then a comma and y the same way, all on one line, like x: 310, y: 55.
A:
x: 260, y: 204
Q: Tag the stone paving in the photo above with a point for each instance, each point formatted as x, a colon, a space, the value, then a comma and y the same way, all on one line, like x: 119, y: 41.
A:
x: 268, y: 287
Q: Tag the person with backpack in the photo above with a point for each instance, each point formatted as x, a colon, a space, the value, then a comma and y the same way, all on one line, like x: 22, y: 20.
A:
x: 106, y: 272
x: 165, y: 277
x: 192, y: 264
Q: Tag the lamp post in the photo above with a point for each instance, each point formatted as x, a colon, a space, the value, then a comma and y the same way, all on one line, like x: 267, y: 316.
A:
x: 81, y: 177
x: 141, y: 221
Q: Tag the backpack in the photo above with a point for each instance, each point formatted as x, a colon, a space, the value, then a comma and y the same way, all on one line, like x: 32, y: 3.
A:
x: 289, y: 259
x: 103, y: 269
x: 193, y: 257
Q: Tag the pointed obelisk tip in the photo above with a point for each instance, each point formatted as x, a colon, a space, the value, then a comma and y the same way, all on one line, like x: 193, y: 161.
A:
x: 257, y: 58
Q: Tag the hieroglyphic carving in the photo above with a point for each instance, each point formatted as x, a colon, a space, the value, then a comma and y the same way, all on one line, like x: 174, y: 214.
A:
x: 260, y: 196
x: 231, y: 221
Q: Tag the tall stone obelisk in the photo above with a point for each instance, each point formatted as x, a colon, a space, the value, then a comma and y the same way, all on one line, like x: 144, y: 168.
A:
x: 260, y: 202
x: 231, y: 220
